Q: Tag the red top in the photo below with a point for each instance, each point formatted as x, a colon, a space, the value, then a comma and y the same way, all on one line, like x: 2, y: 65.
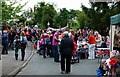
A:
x: 84, y: 31
x: 27, y: 34
x: 91, y: 39
x: 75, y: 47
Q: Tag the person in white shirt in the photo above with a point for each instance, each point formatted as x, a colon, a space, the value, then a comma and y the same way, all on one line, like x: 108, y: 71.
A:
x: 98, y: 39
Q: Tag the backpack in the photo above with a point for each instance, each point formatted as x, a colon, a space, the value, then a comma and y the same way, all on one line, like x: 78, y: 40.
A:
x: 23, y: 43
x: 23, y: 40
x: 18, y: 44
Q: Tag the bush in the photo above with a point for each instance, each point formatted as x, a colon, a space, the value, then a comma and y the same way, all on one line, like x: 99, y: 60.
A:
x: 30, y: 22
x: 21, y: 23
x: 41, y: 26
x: 75, y: 27
x: 12, y: 23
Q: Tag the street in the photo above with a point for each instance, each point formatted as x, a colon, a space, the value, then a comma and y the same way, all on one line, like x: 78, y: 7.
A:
x: 45, y: 66
x: 9, y: 64
x: 85, y: 29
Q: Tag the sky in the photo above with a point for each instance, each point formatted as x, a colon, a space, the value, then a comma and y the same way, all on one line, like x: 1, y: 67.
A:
x: 69, y: 4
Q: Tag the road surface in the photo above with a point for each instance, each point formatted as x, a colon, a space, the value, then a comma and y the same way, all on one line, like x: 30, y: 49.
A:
x: 45, y: 66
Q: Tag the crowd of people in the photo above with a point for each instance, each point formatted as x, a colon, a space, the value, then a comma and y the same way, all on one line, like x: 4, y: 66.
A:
x: 65, y: 43
x: 50, y: 43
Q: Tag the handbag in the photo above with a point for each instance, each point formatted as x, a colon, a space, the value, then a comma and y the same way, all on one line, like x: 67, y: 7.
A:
x: 35, y: 46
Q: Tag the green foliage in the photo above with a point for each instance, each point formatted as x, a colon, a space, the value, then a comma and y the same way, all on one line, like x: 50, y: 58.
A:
x: 22, y: 19
x: 75, y: 27
x: 44, y: 13
x: 62, y: 18
x: 65, y: 16
x: 9, y: 11
x: 96, y: 17
x: 81, y: 18
x: 12, y: 23
x: 41, y: 26
x: 21, y: 23
x: 99, y: 15
x: 30, y: 22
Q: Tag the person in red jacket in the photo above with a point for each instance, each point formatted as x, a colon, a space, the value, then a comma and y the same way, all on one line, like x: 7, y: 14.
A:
x: 92, y: 41
x: 75, y: 47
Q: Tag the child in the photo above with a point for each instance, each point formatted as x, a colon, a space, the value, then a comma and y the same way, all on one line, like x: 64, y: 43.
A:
x: 74, y: 54
x: 75, y: 47
x: 100, y: 71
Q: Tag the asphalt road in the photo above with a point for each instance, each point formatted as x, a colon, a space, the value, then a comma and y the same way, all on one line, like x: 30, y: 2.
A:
x: 40, y: 66
x: 9, y: 63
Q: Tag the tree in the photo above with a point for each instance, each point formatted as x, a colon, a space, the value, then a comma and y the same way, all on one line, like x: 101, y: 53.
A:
x: 9, y: 11
x: 62, y: 18
x: 81, y: 18
x: 100, y: 13
x: 44, y: 13
x: 72, y: 18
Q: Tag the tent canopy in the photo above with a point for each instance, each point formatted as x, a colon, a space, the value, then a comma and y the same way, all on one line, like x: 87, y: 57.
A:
x: 115, y: 20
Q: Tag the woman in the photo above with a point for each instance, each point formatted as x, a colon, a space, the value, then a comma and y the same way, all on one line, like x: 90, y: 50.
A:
x: 24, y: 43
x: 98, y: 39
x: 92, y: 42
x: 17, y: 46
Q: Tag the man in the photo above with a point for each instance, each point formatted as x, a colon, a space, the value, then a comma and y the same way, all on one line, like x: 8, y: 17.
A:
x: 66, y: 48
x: 55, y: 43
x: 48, y: 44
x: 5, y: 42
x: 92, y: 42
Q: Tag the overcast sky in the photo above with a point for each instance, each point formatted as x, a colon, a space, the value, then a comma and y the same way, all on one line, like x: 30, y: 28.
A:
x: 69, y: 4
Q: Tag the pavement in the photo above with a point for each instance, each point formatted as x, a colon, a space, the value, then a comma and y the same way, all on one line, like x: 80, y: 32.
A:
x: 0, y: 61
x: 10, y: 64
x: 45, y: 66
x: 0, y: 68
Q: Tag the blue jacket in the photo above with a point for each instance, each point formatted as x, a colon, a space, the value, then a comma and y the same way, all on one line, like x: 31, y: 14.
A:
x: 99, y: 73
x: 5, y: 38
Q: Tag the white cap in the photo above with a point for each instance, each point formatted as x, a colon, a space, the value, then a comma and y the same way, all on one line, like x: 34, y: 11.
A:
x: 66, y: 32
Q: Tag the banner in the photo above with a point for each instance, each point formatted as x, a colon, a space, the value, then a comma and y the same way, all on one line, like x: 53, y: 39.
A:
x: 57, y: 29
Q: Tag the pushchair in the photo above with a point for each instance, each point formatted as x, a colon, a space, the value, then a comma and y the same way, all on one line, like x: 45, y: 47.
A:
x: 75, y: 58
x: 83, y: 52
x: 41, y: 50
x: 40, y: 47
